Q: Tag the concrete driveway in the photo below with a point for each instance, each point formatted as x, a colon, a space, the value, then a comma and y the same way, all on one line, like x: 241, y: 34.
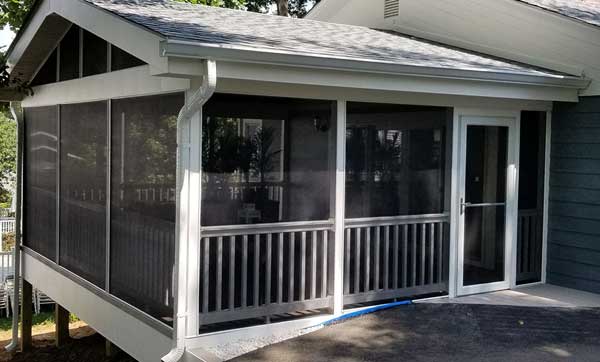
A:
x: 449, y: 332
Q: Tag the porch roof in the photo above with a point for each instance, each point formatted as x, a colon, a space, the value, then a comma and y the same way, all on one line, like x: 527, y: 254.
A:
x: 223, y: 30
x: 587, y: 11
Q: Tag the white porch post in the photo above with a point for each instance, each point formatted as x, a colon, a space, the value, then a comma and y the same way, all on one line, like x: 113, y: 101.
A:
x: 548, y: 148
x: 189, y: 188
x: 454, y: 206
x: 194, y: 204
x: 340, y: 205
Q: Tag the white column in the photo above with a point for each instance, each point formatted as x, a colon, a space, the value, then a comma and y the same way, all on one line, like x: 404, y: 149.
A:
x: 340, y: 204
x: 193, y: 246
x: 546, y: 194
x: 454, y: 208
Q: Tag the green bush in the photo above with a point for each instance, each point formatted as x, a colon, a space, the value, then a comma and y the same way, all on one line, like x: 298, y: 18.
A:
x: 8, y: 241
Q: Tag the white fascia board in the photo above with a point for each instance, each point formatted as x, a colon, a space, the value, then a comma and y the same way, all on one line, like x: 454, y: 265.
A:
x: 132, y: 38
x: 20, y: 45
x: 392, y: 82
x: 272, y: 89
x: 184, y: 49
x: 135, y: 337
x: 132, y: 82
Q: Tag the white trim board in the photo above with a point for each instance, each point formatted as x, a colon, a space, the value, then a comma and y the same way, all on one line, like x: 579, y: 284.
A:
x: 130, y: 334
x: 132, y: 82
x: 392, y: 82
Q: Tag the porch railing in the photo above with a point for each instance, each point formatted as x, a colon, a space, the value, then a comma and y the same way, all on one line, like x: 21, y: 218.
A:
x: 529, y: 245
x: 394, y: 257
x: 253, y: 271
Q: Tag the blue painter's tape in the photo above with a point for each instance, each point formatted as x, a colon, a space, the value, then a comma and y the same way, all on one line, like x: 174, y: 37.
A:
x: 366, y: 311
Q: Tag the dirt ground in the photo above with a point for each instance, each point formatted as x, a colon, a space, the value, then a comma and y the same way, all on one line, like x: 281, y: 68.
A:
x: 86, y: 346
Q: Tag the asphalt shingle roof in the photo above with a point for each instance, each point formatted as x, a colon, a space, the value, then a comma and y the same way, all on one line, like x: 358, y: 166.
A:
x: 584, y: 10
x: 236, y: 29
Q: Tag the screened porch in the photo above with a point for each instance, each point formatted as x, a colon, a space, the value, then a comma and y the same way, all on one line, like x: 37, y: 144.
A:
x: 289, y: 202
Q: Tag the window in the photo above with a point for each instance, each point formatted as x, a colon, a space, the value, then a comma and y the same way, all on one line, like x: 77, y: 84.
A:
x: 395, y: 160
x: 95, y: 54
x: 83, y: 169
x: 41, y: 135
x: 69, y: 55
x: 266, y: 160
x: 143, y: 166
x: 120, y: 59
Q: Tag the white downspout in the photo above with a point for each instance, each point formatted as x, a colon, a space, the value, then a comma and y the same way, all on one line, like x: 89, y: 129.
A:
x: 17, y: 113
x: 192, y: 105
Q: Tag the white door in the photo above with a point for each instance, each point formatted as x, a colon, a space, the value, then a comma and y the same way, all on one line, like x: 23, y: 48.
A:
x: 487, y: 203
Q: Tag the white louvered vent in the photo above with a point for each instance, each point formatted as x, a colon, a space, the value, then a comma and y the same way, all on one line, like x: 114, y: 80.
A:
x: 391, y: 8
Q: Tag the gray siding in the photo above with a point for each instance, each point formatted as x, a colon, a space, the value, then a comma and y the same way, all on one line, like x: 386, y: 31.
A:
x: 574, y: 225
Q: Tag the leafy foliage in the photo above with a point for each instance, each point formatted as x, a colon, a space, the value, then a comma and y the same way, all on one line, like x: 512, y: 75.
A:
x: 232, y: 4
x: 296, y: 8
x: 13, y: 13
x: 8, y: 149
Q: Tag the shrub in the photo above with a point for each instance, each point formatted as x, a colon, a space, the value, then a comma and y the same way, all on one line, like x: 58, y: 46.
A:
x: 8, y: 241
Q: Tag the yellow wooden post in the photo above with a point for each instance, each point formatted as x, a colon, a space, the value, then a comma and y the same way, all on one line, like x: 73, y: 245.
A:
x: 26, y: 316
x: 62, y: 325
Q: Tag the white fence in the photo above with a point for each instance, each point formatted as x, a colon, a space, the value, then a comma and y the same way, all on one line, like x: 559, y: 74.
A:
x: 7, y: 265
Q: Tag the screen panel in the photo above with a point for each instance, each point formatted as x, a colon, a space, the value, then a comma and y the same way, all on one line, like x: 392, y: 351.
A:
x: 266, y: 160
x: 120, y: 59
x: 144, y: 149
x: 395, y: 160
x: 69, y: 55
x: 47, y: 73
x: 83, y: 180
x: 95, y: 54
x: 40, y: 177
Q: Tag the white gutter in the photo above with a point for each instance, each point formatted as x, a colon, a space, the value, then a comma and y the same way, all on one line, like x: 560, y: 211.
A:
x: 196, y: 50
x: 17, y: 113
x: 192, y: 105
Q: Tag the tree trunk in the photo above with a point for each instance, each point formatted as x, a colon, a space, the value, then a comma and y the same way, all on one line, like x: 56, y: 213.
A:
x: 283, y: 8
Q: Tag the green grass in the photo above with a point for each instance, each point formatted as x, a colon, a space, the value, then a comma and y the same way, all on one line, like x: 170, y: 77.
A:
x: 42, y: 319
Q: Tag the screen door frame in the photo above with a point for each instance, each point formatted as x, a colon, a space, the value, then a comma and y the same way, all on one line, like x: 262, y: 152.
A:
x: 510, y: 120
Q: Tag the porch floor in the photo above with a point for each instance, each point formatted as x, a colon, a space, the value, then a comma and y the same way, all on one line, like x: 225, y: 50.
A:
x: 449, y: 332
x: 541, y: 295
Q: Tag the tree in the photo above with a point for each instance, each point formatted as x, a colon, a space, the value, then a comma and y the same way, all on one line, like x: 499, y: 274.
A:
x: 8, y: 150
x: 296, y: 8
x: 13, y: 13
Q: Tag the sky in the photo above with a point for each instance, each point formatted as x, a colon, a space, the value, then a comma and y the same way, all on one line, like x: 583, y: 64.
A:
x: 6, y: 37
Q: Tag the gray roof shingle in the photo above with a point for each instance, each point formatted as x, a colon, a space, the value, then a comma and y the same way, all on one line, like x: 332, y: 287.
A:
x: 584, y: 10
x: 243, y: 30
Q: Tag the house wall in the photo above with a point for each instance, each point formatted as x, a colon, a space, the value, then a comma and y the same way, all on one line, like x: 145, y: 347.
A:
x: 574, y: 224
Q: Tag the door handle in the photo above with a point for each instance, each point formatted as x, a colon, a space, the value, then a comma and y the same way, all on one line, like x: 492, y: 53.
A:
x: 463, y: 205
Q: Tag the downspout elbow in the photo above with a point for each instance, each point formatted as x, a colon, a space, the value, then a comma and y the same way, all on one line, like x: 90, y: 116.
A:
x: 192, y: 105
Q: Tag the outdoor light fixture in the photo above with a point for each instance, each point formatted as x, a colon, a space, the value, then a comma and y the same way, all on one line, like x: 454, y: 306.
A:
x: 321, y: 125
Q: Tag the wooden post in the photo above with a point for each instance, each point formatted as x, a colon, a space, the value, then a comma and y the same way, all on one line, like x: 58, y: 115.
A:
x: 62, y: 325
x: 111, y: 349
x: 26, y: 316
